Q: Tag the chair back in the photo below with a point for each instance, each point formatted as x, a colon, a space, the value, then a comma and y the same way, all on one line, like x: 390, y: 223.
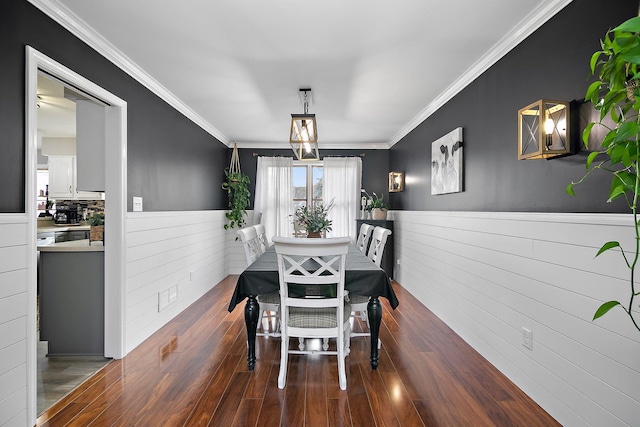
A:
x: 304, y: 262
x: 378, y: 241
x: 262, y: 237
x: 250, y: 244
x: 363, y: 238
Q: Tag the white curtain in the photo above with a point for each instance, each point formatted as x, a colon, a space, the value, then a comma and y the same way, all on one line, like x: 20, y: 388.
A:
x: 342, y: 183
x: 273, y: 201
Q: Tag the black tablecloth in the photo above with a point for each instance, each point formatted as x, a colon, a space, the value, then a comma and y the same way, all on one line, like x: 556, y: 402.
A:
x: 362, y: 277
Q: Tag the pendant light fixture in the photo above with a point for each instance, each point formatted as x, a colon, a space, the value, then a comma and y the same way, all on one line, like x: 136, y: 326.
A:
x: 303, y: 136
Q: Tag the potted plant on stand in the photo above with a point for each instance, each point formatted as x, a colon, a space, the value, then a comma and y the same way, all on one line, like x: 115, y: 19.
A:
x: 313, y: 219
x: 376, y: 206
x: 616, y: 95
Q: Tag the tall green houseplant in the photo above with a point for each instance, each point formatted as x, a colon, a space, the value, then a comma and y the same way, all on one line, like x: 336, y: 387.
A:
x: 237, y: 187
x: 616, y: 95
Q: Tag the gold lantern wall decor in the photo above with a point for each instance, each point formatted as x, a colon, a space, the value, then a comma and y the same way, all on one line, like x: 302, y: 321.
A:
x: 543, y: 130
x: 396, y: 182
x: 303, y: 136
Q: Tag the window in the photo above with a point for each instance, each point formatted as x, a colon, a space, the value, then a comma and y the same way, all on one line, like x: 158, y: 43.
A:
x: 306, y: 181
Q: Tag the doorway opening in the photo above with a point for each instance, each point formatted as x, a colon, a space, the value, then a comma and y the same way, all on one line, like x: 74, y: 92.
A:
x: 112, y: 159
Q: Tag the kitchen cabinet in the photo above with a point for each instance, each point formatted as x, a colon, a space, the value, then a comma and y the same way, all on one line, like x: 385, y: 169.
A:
x: 72, y: 300
x: 62, y: 180
x: 90, y: 145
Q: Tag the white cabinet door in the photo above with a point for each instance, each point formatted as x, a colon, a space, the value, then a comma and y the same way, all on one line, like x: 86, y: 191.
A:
x: 90, y: 143
x: 61, y: 177
x: 62, y: 180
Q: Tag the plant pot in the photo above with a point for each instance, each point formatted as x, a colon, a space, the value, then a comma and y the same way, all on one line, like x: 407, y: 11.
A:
x: 96, y: 233
x: 378, y: 213
x: 314, y: 234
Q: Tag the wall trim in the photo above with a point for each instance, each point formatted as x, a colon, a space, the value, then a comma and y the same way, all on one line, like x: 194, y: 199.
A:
x: 70, y: 21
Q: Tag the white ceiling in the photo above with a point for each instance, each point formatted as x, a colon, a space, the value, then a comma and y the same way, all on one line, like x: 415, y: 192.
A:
x: 56, y: 114
x: 376, y: 68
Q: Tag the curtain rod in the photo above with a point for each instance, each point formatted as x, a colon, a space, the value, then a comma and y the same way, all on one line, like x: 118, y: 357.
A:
x: 328, y: 155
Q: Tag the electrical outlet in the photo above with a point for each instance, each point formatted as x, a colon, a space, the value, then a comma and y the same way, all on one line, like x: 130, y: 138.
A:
x: 527, y: 338
x: 173, y: 294
x: 137, y: 204
x: 398, y: 261
x: 163, y: 300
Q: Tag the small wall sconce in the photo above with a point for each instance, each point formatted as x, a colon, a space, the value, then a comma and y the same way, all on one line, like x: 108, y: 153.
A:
x: 543, y: 130
x: 396, y: 182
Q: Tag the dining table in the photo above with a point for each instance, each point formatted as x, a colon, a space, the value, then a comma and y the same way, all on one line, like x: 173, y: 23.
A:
x: 362, y: 277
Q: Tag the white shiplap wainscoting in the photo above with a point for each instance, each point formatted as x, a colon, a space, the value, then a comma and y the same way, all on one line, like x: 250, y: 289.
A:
x: 13, y: 319
x: 488, y: 275
x: 183, y: 252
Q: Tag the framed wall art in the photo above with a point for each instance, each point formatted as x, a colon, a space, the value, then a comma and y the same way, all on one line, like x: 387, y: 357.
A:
x: 446, y: 163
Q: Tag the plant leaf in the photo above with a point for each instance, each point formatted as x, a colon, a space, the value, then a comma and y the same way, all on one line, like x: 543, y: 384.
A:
x: 569, y: 189
x: 615, y: 193
x: 586, y: 133
x: 604, y: 308
x: 607, y: 246
x: 632, y: 25
x: 591, y: 158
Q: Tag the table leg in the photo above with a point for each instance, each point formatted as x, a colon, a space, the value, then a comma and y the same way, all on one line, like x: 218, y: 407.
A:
x: 251, y: 310
x: 374, y: 311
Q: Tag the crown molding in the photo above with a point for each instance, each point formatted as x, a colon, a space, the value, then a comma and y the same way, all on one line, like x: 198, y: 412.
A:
x: 74, y: 24
x: 321, y: 146
x: 524, y: 29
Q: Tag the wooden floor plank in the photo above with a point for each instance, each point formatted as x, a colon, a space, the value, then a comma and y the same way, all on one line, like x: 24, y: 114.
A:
x: 193, y: 372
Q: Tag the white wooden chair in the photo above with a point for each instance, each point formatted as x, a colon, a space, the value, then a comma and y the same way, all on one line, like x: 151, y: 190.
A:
x: 262, y: 237
x: 318, y: 262
x: 363, y: 237
x: 359, y: 302
x: 378, y: 241
x: 270, y: 302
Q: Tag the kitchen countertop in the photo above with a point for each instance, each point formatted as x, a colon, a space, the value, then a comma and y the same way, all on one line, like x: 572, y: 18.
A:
x: 47, y: 225
x: 73, y: 246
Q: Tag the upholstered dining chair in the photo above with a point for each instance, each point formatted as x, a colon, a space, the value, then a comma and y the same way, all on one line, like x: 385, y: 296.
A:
x: 363, y: 237
x: 317, y: 262
x: 270, y: 302
x: 359, y: 302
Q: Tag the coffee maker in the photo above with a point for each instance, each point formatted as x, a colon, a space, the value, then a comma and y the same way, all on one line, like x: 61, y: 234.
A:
x: 66, y: 214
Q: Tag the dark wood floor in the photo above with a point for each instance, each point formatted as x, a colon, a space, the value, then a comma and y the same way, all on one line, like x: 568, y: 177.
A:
x: 193, y: 372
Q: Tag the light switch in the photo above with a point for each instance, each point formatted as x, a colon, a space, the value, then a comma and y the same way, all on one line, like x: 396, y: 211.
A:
x: 137, y: 204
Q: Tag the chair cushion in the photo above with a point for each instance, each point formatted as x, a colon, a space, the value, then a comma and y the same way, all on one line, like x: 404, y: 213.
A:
x: 358, y: 299
x: 307, y: 317
x: 270, y: 298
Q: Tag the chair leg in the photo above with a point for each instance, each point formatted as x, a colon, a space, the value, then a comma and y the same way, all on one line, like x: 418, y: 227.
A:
x: 347, y: 339
x: 301, y: 344
x: 342, y: 376
x: 260, y: 314
x: 284, y: 356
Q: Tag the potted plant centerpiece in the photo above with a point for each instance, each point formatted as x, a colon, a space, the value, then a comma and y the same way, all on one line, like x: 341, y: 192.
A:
x: 616, y: 96
x: 376, y: 205
x: 313, y: 219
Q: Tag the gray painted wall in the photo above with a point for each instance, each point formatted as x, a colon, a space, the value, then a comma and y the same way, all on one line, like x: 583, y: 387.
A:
x: 552, y: 63
x: 172, y: 163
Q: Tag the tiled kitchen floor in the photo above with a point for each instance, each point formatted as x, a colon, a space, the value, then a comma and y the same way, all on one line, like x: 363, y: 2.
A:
x: 57, y: 376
